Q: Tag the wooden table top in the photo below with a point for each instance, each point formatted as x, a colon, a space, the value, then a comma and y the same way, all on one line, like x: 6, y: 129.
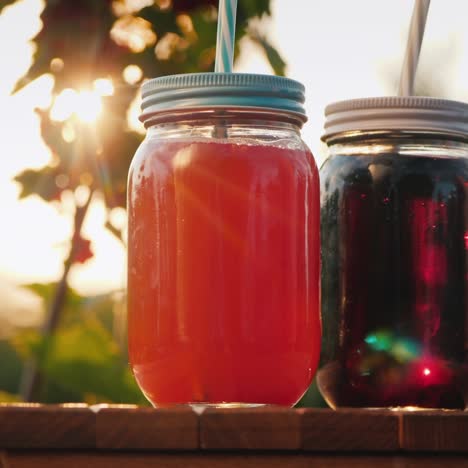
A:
x: 113, y: 435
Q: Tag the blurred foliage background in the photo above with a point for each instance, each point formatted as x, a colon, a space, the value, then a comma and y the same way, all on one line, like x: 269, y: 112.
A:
x: 106, y: 47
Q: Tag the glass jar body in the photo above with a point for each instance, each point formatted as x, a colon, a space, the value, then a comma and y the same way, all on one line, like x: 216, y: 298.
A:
x: 223, y: 262
x: 394, y: 214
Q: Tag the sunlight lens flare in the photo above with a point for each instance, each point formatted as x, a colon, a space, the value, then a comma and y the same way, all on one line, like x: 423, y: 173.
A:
x: 86, y: 105
x: 103, y: 86
x: 89, y: 106
x: 64, y: 105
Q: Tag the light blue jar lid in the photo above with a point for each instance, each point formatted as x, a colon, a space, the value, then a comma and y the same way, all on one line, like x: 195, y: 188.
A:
x: 222, y: 90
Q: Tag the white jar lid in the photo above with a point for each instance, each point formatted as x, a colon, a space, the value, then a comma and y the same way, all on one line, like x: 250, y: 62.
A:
x: 412, y: 113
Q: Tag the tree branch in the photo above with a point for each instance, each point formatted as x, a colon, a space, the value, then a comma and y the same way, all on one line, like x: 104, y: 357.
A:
x: 31, y: 381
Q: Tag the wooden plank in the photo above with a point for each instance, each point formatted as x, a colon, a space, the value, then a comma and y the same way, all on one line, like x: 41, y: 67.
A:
x: 147, y: 428
x: 349, y: 429
x: 256, y: 428
x: 123, y: 428
x: 52, y: 426
x: 226, y: 460
x: 435, y: 431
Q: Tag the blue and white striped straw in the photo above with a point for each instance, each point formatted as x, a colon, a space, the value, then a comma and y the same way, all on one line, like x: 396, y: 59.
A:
x: 226, y: 34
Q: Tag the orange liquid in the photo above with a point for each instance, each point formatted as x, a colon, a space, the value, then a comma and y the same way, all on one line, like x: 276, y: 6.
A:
x: 223, y: 272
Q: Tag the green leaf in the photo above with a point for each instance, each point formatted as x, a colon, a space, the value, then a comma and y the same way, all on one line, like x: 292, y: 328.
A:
x: 77, y: 32
x: 10, y: 368
x: 5, y: 3
x: 47, y: 291
x: 6, y: 397
x: 28, y: 344
x: 43, y: 290
x: 252, y: 8
x: 85, y: 358
x: 39, y: 182
x: 272, y: 54
x: 88, y: 341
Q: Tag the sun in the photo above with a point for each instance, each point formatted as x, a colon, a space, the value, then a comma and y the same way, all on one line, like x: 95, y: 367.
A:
x: 86, y: 104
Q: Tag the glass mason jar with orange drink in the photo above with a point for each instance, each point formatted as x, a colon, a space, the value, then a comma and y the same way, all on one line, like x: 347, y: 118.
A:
x: 223, y: 243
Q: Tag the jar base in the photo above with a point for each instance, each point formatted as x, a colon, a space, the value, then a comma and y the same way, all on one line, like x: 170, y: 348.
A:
x: 200, y: 407
x: 397, y: 409
x: 337, y: 389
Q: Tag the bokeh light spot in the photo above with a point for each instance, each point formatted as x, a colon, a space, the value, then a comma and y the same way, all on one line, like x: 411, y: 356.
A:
x: 68, y: 132
x: 164, y: 4
x: 62, y: 180
x: 81, y: 195
x: 379, y: 341
x: 127, y: 7
x: 56, y: 65
x: 133, y: 32
x: 132, y: 74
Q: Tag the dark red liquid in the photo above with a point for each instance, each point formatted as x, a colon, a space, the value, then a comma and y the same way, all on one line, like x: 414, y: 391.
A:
x: 394, y: 281
x: 223, y: 272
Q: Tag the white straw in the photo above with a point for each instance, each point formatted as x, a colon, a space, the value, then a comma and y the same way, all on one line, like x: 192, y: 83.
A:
x: 413, y: 47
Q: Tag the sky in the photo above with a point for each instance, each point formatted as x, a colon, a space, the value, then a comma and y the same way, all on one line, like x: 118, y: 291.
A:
x: 338, y: 49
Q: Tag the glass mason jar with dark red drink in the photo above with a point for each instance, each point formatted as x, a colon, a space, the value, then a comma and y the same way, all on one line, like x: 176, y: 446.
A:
x: 394, y: 210
x: 223, y: 243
